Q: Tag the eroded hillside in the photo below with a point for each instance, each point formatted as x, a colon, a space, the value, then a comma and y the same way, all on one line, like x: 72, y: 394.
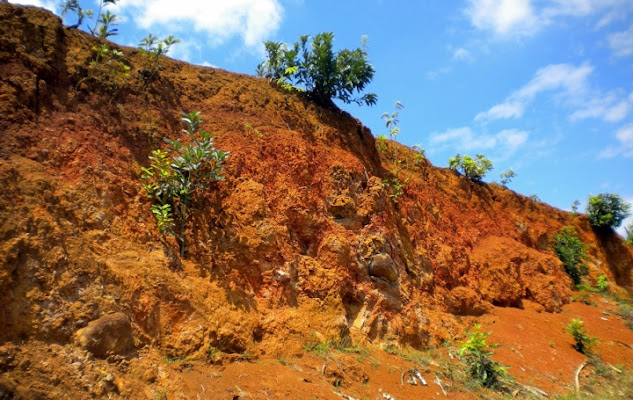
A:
x: 300, y: 243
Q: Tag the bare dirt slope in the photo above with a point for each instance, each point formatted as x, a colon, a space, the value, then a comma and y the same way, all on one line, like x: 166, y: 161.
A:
x: 300, y: 244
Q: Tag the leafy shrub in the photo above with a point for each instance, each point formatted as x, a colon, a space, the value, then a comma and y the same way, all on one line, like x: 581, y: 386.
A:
x: 73, y: 5
x: 507, y: 176
x: 584, y: 343
x: 102, y: 28
x: 574, y: 207
x: 477, y: 352
x: 153, y: 50
x: 107, y: 68
x: 607, y: 210
x: 572, y: 252
x: 601, y: 283
x: 174, y: 176
x: 323, y: 74
x: 474, y: 169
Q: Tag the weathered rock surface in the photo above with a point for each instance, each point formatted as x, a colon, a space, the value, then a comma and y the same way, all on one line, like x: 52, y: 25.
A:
x: 108, y: 335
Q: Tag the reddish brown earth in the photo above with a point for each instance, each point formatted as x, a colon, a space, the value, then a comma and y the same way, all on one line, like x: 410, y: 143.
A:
x: 280, y: 253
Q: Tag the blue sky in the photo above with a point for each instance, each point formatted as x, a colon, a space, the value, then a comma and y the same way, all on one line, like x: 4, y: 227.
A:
x: 544, y: 87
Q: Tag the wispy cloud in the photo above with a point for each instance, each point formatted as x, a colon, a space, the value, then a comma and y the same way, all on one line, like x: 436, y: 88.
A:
x: 251, y: 20
x: 464, y: 139
x: 435, y: 74
x: 624, y: 135
x: 621, y: 43
x: 503, y: 17
x: 522, y: 18
x: 461, y: 54
x: 47, y: 4
x: 567, y: 80
x: 612, y: 107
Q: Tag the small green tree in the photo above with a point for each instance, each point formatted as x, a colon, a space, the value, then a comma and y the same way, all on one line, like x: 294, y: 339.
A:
x: 572, y: 252
x: 477, y: 352
x: 175, y: 176
x: 103, y: 26
x: 473, y: 168
x: 574, y: 207
x: 507, y: 176
x: 607, y: 210
x: 153, y: 50
x: 317, y: 69
x: 584, y: 343
x: 74, y: 6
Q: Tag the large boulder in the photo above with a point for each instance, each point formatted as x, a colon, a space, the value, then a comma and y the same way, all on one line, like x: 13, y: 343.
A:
x: 108, y: 335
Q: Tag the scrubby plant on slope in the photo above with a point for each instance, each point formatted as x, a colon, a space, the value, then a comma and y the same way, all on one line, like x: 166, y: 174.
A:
x: 153, y: 50
x: 572, y: 252
x: 317, y: 69
x: 177, y: 175
x: 473, y: 168
x: 583, y: 343
x: 507, y: 176
x: 476, y: 352
x: 607, y: 210
x: 102, y: 27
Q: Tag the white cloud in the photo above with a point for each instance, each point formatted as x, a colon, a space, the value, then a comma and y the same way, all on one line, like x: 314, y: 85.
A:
x: 252, y: 20
x: 463, y: 139
x: 503, y: 17
x: 621, y: 43
x: 569, y: 81
x: 627, y: 222
x: 47, y: 4
x: 433, y: 75
x: 520, y: 18
x: 624, y: 135
x: 462, y: 54
x: 610, y: 108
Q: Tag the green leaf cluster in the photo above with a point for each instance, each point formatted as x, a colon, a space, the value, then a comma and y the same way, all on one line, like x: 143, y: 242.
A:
x: 584, y: 343
x: 314, y: 67
x: 153, y: 50
x: 507, y: 176
x: 176, y: 175
x: 572, y: 252
x: 476, y: 352
x: 607, y: 210
x: 473, y: 168
x: 103, y: 25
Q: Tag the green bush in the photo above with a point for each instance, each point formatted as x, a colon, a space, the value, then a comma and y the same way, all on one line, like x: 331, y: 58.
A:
x: 476, y: 352
x: 175, y: 176
x: 507, y: 176
x: 572, y: 252
x: 607, y: 210
x: 317, y: 69
x: 473, y: 168
x: 153, y: 50
x: 584, y: 343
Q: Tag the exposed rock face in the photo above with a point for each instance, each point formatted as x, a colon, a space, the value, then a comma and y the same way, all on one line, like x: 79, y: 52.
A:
x: 108, y: 335
x: 382, y: 266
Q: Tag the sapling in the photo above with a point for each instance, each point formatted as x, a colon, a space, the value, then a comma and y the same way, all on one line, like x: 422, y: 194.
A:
x: 174, y: 177
x: 477, y: 352
x: 153, y: 50
x: 584, y: 344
